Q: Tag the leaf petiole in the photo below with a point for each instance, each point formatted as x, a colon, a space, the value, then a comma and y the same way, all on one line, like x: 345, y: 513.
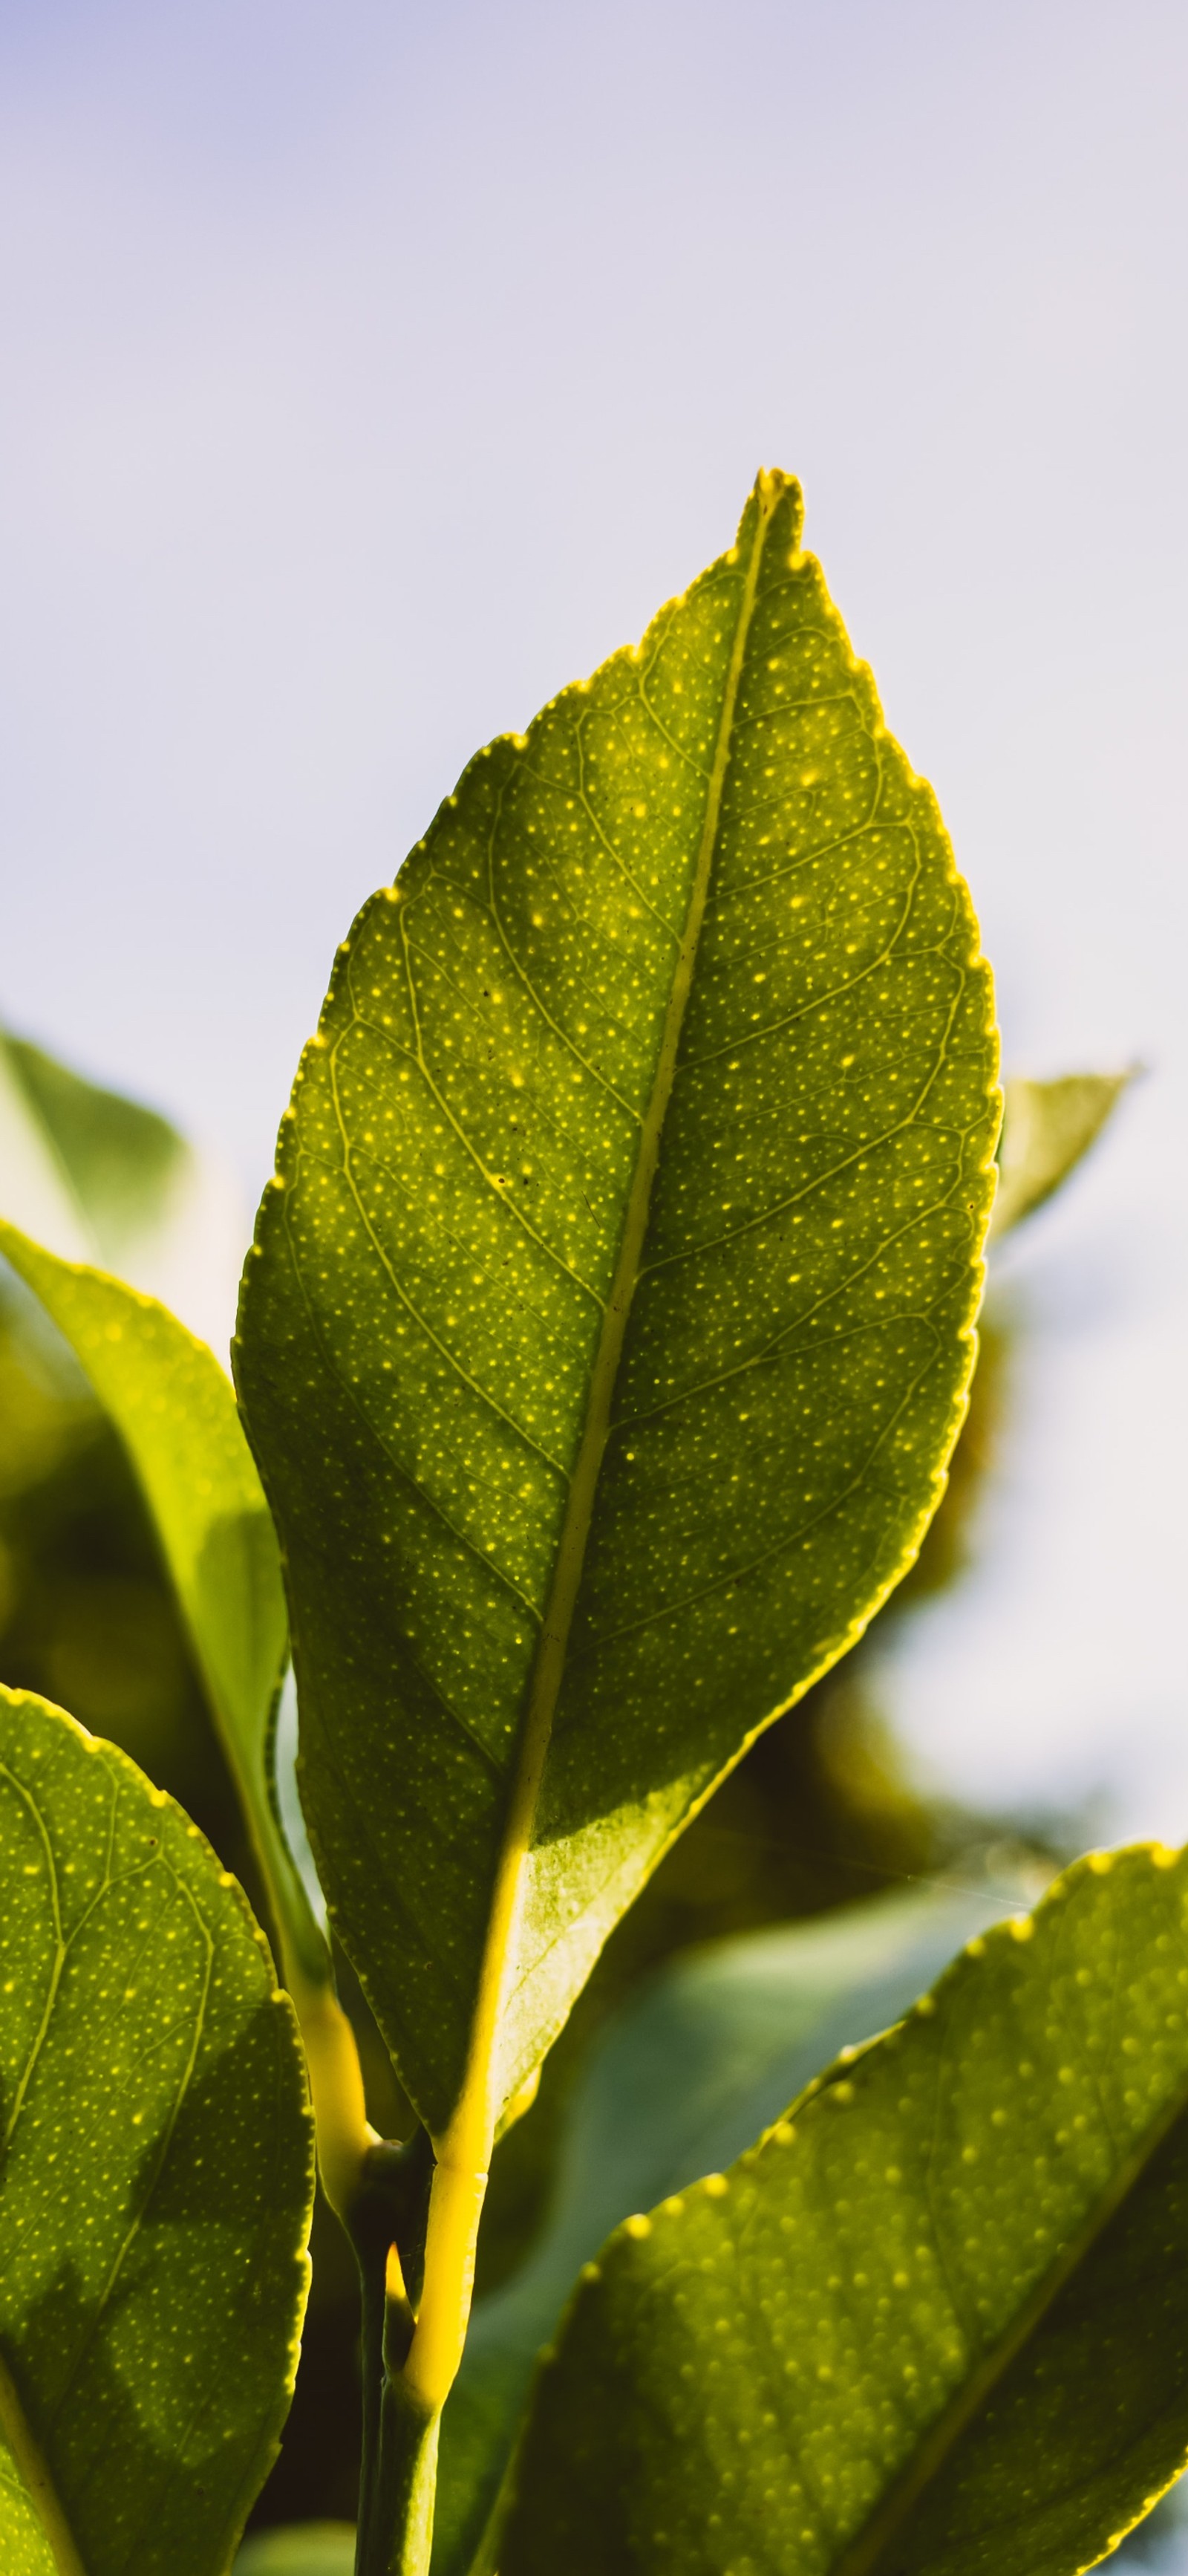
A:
x: 455, y: 2208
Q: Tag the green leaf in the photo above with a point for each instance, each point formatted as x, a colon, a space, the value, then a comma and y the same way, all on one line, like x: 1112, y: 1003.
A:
x: 1046, y: 1129
x: 157, y: 2173
x: 100, y: 1178
x: 676, y: 2086
x: 936, y: 2321
x: 115, y: 1163
x: 175, y: 1410
x: 608, y: 1324
x: 300, y: 2549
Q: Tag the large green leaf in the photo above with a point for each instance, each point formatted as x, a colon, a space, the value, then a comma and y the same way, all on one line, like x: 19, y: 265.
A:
x: 608, y: 1323
x: 174, y: 1408
x: 937, y: 2320
x: 156, y: 2178
x: 1047, y: 1128
x: 678, y: 2084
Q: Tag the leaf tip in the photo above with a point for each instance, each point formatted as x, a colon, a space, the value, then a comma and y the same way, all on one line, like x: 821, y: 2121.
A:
x: 771, y: 483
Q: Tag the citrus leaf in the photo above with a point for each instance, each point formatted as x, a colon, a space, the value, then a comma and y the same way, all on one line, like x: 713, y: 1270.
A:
x: 608, y: 1324
x: 156, y: 2179
x: 100, y: 1178
x: 677, y: 2084
x: 935, y: 2321
x: 175, y: 1411
x: 1046, y: 1129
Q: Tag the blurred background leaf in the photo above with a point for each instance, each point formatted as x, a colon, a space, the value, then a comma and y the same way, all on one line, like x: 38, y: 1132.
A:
x: 1046, y: 1129
x: 299, y: 2549
x: 95, y: 1177
x: 103, y: 1166
x: 174, y: 1410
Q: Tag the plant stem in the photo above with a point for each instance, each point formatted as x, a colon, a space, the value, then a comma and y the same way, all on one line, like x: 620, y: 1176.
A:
x: 397, y: 2539
x: 344, y: 2133
x: 386, y: 2223
x: 455, y: 2208
x: 372, y: 2296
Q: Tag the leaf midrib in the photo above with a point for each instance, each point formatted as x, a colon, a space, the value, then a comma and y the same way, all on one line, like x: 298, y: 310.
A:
x: 468, y: 2139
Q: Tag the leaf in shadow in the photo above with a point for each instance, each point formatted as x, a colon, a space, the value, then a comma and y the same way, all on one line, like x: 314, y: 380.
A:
x: 157, y: 2171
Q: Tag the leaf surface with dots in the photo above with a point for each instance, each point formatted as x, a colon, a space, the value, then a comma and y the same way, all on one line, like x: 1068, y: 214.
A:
x: 936, y: 2322
x: 608, y: 1323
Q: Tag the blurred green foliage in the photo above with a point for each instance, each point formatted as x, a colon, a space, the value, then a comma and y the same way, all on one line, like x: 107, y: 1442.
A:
x: 119, y: 1160
x: 86, y: 1613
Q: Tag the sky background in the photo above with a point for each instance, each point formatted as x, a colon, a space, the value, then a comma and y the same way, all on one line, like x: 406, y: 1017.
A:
x: 369, y: 372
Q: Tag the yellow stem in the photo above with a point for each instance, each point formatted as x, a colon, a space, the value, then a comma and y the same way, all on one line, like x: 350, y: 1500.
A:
x: 344, y: 2132
x: 455, y: 2207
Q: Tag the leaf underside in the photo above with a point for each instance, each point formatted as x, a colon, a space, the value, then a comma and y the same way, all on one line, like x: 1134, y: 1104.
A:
x: 156, y: 2180
x: 608, y: 1324
x: 935, y: 2324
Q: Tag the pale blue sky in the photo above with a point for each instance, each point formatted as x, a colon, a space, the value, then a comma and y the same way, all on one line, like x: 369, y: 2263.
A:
x: 369, y: 372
